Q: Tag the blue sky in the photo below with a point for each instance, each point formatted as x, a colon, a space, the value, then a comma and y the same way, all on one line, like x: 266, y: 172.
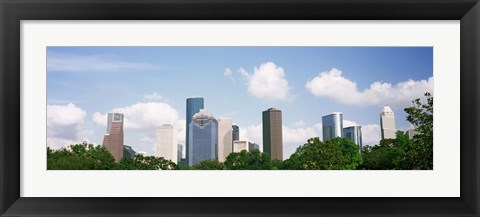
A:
x: 150, y: 85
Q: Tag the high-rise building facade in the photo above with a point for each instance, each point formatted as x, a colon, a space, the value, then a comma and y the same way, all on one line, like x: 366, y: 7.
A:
x: 224, y: 138
x: 387, y: 123
x: 354, y: 133
x: 203, y: 136
x: 272, y: 133
x: 194, y: 105
x: 128, y: 151
x: 411, y: 133
x: 113, y: 140
x: 332, y: 126
x: 179, y: 153
x: 113, y: 117
x: 166, y: 142
x: 235, y: 133
x: 240, y: 145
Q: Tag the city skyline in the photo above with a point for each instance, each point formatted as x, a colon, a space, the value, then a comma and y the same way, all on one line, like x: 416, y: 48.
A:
x: 157, y: 81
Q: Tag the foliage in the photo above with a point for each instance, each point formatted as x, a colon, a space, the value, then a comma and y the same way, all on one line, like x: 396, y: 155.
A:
x: 81, y: 156
x: 334, y: 154
x: 403, y: 153
x: 387, y: 155
x: 208, y: 165
x: 419, y: 153
x: 141, y: 162
x: 85, y: 156
x: 244, y: 160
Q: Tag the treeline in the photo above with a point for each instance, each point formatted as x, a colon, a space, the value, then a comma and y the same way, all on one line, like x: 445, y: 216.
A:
x: 403, y: 153
x: 337, y: 153
x: 89, y: 157
x: 400, y: 153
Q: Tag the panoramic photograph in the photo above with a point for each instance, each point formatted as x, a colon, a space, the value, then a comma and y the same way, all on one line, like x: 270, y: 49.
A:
x: 239, y: 108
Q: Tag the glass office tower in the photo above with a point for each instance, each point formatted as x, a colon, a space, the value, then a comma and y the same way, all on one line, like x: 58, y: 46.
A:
x: 354, y: 133
x: 194, y: 105
x: 235, y: 133
x: 332, y: 125
x: 203, y: 136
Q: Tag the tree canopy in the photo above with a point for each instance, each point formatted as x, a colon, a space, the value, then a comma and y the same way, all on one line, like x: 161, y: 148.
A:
x: 85, y: 156
x: 419, y: 153
x: 244, y: 160
x: 334, y: 154
x: 403, y: 153
x: 208, y: 165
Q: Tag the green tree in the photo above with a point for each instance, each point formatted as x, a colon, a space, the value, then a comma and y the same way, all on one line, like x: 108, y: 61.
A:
x: 334, y: 154
x: 141, y: 162
x: 85, y: 156
x: 387, y: 155
x: 208, y: 165
x: 81, y: 156
x: 244, y: 160
x: 419, y: 153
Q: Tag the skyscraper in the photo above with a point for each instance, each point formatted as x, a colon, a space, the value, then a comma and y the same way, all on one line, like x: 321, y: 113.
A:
x: 128, y: 151
x: 235, y: 133
x: 272, y: 133
x: 113, y: 117
x: 354, y: 133
x: 194, y: 105
x: 113, y: 140
x: 224, y: 138
x: 240, y: 145
x: 179, y: 153
x: 332, y: 125
x: 203, y: 136
x: 166, y: 143
x: 387, y: 123
x: 411, y: 133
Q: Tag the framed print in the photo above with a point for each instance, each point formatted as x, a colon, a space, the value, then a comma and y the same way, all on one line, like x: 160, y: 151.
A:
x: 104, y: 83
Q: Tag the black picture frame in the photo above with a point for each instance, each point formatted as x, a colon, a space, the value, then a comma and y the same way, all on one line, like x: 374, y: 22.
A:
x: 13, y: 11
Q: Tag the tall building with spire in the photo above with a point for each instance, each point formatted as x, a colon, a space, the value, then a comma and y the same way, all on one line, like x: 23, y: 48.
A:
x: 194, y: 105
x: 113, y: 140
x: 387, y: 123
x: 166, y: 142
x: 332, y: 126
x: 272, y: 133
x: 203, y: 138
x: 225, y: 141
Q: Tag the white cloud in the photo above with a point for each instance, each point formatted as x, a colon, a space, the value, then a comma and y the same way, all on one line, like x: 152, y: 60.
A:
x: 348, y: 123
x: 63, y: 62
x: 267, y: 82
x: 371, y: 134
x: 63, y: 123
x: 181, y: 131
x: 227, y: 72
x: 147, y: 138
x: 153, y: 96
x: 333, y: 85
x: 142, y: 115
x: 299, y: 123
x: 252, y: 133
